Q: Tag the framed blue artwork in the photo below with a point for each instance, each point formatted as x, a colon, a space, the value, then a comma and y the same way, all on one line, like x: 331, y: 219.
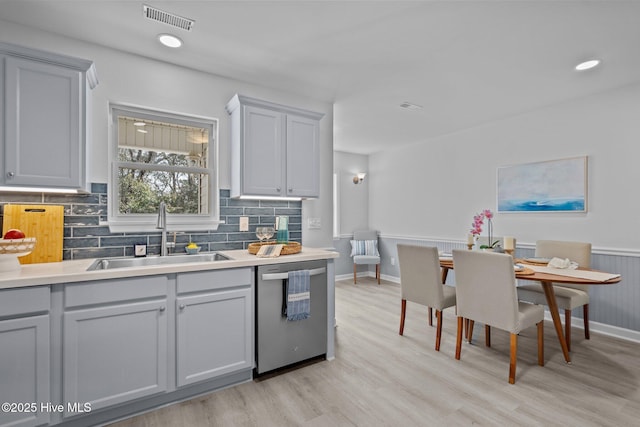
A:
x: 551, y: 186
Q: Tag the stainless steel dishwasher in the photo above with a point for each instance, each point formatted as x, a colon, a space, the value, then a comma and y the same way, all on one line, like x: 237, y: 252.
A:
x: 280, y: 342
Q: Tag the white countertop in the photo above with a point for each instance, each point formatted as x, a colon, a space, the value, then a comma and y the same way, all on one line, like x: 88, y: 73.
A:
x: 76, y: 271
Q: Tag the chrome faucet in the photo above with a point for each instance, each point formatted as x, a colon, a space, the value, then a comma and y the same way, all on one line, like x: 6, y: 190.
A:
x: 162, y: 225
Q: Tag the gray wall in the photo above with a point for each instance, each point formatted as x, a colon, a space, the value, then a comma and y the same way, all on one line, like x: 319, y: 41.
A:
x: 428, y: 192
x: 353, y: 200
x: 432, y: 189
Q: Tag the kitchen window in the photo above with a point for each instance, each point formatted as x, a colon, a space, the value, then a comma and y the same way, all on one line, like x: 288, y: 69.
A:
x: 156, y: 156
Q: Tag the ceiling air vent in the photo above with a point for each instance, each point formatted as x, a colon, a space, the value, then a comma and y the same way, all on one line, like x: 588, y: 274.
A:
x: 167, y: 18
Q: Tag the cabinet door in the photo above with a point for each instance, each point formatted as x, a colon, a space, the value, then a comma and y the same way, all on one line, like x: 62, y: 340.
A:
x: 43, y: 126
x: 303, y: 157
x: 263, y: 167
x: 214, y: 335
x: 114, y: 354
x: 24, y: 369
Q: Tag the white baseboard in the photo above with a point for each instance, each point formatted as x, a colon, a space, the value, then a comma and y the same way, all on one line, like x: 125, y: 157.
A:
x: 359, y: 274
x: 601, y: 328
x: 388, y: 278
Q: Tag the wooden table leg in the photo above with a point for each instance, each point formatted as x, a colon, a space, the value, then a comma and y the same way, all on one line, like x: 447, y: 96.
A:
x: 553, y: 309
x: 445, y: 272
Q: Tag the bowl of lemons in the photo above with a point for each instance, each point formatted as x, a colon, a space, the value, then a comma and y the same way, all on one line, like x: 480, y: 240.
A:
x: 192, y: 248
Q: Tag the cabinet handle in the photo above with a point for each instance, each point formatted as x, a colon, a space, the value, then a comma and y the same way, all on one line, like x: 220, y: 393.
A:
x: 291, y: 190
x: 182, y: 307
x: 284, y: 276
x: 163, y: 308
x: 278, y: 189
x: 10, y: 175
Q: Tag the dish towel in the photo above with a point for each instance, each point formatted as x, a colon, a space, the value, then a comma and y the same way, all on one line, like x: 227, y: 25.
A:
x: 298, y: 295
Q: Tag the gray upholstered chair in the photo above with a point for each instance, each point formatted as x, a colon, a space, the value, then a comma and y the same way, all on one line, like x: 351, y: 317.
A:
x: 364, y: 250
x: 486, y: 293
x: 568, y: 297
x: 420, y: 282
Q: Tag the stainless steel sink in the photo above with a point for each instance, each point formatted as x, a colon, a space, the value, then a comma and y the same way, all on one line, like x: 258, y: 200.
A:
x: 109, y: 263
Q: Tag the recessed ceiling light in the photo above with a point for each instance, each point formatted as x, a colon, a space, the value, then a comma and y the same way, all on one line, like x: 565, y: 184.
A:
x: 169, y: 40
x: 586, y: 65
x: 139, y: 124
x: 142, y: 131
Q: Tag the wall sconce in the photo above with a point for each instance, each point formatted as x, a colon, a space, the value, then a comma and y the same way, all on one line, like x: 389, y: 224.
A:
x: 359, y: 177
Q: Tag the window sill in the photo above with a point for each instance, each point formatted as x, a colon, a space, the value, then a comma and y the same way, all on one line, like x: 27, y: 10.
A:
x: 150, y: 226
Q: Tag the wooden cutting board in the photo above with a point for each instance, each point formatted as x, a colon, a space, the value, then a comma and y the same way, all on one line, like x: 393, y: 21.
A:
x: 45, y: 223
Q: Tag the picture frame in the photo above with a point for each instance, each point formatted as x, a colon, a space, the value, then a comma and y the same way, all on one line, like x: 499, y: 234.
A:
x: 548, y: 186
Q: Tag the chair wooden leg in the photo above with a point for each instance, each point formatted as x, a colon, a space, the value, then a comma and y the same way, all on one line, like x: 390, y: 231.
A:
x: 487, y: 335
x: 541, y: 343
x: 585, y: 316
x: 459, y: 337
x: 466, y: 328
x: 378, y: 273
x: 403, y: 311
x: 512, y: 362
x: 355, y: 270
x: 438, y: 328
x: 567, y: 328
x: 430, y: 314
x: 470, y: 331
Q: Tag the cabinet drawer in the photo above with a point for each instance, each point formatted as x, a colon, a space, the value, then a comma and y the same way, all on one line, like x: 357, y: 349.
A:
x: 108, y: 291
x: 198, y: 281
x: 24, y: 301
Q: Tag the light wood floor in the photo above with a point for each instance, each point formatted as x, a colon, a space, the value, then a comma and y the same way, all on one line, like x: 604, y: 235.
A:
x: 382, y: 379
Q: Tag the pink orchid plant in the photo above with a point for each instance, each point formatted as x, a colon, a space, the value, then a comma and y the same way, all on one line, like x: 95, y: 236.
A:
x: 476, y: 227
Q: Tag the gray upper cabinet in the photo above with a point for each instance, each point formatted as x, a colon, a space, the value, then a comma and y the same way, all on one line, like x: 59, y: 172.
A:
x: 275, y: 149
x: 303, y: 157
x: 44, y: 123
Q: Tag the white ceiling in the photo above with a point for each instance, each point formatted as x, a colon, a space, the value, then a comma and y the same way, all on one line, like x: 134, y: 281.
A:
x: 465, y: 62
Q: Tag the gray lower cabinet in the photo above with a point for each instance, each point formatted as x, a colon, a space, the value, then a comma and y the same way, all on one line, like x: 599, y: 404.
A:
x: 24, y: 356
x: 214, y: 324
x: 116, y: 351
x: 123, y: 345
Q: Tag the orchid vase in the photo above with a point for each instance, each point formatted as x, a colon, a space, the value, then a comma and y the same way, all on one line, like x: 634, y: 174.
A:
x: 479, y: 220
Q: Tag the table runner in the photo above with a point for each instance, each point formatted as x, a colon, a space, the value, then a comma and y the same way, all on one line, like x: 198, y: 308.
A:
x: 598, y: 276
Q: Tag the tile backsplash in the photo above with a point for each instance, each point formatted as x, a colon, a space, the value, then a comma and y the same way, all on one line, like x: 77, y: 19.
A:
x: 85, y: 236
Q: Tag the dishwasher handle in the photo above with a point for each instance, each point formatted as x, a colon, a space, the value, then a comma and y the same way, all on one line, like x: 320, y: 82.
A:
x: 284, y: 276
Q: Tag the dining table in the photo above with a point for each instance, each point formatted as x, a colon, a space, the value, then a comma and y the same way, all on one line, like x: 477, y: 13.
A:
x: 548, y: 276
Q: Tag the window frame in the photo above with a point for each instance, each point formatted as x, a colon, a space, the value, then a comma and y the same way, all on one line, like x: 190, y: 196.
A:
x: 336, y: 205
x: 175, y: 222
